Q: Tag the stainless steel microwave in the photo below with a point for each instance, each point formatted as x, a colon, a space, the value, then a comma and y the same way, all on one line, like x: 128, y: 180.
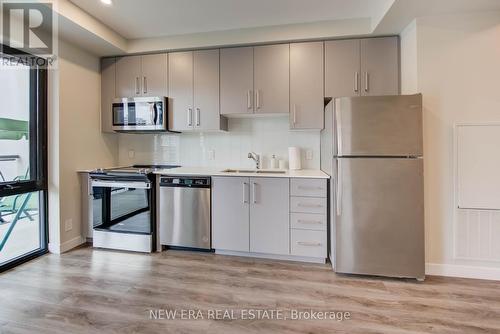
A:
x: 140, y: 114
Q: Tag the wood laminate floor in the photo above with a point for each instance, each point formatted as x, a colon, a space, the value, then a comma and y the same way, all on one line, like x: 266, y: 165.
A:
x: 99, y: 291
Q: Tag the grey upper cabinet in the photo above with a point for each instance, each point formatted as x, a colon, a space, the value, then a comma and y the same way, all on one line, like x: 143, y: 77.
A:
x: 236, y: 81
x: 380, y: 66
x: 206, y: 90
x: 342, y: 61
x: 269, y: 215
x: 154, y: 75
x: 230, y: 213
x: 271, y: 79
x: 193, y: 81
x: 306, y: 85
x: 128, y: 76
x: 180, y: 85
x: 108, y: 72
x: 141, y: 75
x: 362, y: 67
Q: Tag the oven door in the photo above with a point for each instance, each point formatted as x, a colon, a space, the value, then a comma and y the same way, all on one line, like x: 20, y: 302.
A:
x: 122, y: 214
x: 139, y: 114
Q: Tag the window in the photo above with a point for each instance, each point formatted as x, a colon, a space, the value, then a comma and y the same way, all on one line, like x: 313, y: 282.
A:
x: 23, y: 165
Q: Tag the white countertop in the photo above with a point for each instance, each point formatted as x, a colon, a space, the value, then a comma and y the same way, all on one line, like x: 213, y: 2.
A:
x: 211, y: 171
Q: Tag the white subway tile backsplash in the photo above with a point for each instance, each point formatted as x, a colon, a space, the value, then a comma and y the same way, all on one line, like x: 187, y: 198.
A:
x: 265, y: 136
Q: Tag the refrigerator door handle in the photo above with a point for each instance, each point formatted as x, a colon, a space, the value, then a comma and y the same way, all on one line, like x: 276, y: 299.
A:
x: 338, y: 195
x: 338, y: 125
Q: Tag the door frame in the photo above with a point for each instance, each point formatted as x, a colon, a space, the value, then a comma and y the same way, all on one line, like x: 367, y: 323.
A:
x: 38, y: 154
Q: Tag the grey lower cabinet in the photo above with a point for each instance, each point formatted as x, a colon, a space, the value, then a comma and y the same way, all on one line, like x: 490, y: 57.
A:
x: 306, y: 85
x: 250, y: 214
x: 362, y: 67
x: 231, y: 213
x: 269, y: 215
x: 141, y: 75
x: 193, y: 81
x: 108, y: 73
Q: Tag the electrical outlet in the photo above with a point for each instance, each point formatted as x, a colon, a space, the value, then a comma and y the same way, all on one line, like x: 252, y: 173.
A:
x: 309, y: 154
x: 211, y: 154
x: 131, y: 154
x: 68, y: 225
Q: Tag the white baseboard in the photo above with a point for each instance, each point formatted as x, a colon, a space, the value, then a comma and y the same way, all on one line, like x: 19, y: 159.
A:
x: 66, y: 246
x: 453, y: 270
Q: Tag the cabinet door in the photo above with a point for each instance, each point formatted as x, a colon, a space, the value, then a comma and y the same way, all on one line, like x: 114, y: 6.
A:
x: 206, y: 90
x: 380, y: 66
x: 342, y: 68
x: 230, y: 213
x: 154, y: 75
x: 108, y: 72
x: 180, y: 85
x: 272, y: 78
x: 269, y: 215
x: 128, y: 76
x: 306, y: 85
x: 236, y: 81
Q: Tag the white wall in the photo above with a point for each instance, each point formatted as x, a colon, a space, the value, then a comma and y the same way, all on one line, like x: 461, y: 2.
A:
x: 75, y: 139
x: 457, y: 69
x: 264, y: 135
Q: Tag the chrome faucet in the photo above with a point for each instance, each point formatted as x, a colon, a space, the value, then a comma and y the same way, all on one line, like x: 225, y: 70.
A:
x: 256, y: 158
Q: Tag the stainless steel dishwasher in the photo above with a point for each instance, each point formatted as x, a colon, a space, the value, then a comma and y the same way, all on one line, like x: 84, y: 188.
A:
x: 184, y: 212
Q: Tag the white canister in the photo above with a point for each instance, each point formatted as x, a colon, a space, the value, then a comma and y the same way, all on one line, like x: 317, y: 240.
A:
x: 281, y: 164
x: 274, y: 162
x: 294, y: 158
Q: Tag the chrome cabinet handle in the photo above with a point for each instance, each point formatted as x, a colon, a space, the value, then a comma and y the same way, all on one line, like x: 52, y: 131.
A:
x: 356, y: 81
x: 197, y: 116
x: 257, y: 99
x: 367, y: 78
x: 254, y: 197
x: 310, y: 205
x: 310, y: 188
x: 144, y: 85
x: 137, y: 90
x: 245, y: 193
x: 307, y: 243
x: 294, y: 119
x: 309, y: 221
x: 190, y: 117
x: 249, y: 99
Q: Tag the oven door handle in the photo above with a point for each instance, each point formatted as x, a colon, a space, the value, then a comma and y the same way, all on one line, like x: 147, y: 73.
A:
x: 113, y: 184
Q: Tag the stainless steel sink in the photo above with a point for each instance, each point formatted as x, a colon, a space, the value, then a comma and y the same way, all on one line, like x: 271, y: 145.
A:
x: 255, y: 171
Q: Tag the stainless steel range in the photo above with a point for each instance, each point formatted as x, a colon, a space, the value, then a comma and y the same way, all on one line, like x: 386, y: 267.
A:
x: 123, y: 208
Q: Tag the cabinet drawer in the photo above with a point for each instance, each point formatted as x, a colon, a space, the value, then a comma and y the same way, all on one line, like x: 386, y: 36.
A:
x: 308, y: 221
x: 308, y: 187
x: 308, y: 205
x: 308, y: 243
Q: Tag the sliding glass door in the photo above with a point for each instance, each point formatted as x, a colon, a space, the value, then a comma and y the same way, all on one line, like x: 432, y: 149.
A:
x: 23, y: 165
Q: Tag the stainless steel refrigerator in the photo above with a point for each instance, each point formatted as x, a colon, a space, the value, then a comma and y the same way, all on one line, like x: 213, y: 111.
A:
x: 372, y: 148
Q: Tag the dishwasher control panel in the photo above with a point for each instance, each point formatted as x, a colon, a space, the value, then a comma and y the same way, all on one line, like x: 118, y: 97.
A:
x: 197, y: 182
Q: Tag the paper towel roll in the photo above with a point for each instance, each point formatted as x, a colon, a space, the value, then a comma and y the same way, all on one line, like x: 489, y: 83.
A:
x: 294, y: 158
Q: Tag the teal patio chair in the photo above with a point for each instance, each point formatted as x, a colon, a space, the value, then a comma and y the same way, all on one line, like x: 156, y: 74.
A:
x: 17, y: 217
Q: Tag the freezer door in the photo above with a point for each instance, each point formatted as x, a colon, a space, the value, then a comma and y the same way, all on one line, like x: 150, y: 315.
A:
x: 379, y: 125
x: 379, y: 223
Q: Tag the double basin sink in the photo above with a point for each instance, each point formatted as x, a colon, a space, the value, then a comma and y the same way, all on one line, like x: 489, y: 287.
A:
x: 254, y: 171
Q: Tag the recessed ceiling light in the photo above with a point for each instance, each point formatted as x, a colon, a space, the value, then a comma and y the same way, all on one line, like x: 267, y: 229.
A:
x: 107, y: 2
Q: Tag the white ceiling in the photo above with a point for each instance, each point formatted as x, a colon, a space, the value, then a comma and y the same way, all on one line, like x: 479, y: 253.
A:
x: 135, y: 19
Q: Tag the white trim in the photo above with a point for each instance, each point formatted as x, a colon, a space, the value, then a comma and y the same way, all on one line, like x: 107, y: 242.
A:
x: 66, y: 246
x: 272, y: 256
x: 454, y: 270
